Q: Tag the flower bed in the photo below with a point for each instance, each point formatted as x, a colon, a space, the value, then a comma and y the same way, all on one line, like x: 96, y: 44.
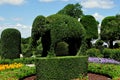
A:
x: 111, y: 70
x: 10, y: 66
x: 103, y: 60
x: 17, y: 73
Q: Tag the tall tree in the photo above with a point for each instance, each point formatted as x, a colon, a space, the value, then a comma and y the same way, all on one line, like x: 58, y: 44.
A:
x: 110, y: 29
x: 73, y: 10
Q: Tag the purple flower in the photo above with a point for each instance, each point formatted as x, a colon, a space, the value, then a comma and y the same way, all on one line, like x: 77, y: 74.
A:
x: 103, y: 60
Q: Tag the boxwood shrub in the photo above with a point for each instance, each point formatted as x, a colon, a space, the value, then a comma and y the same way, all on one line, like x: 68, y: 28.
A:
x: 93, y: 52
x: 61, y: 68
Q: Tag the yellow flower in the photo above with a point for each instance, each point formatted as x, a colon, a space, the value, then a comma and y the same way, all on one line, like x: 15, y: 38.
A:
x: 10, y: 66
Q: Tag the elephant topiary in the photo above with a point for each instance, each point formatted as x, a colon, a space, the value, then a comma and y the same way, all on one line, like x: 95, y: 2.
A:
x: 57, y: 28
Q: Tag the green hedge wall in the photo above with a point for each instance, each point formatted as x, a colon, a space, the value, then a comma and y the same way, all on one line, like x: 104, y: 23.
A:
x: 61, y: 68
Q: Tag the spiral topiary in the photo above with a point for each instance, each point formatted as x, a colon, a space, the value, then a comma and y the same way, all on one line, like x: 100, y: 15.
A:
x: 10, y: 44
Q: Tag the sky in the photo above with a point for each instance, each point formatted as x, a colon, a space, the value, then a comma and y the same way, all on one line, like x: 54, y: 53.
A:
x: 20, y: 14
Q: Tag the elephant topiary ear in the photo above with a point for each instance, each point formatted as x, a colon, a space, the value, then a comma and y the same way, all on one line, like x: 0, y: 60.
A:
x: 61, y: 49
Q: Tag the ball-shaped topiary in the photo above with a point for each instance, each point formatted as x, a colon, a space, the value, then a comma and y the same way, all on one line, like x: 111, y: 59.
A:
x: 11, y: 43
x: 57, y: 28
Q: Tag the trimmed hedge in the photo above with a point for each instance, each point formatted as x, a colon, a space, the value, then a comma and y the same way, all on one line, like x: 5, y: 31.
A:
x: 93, y: 52
x: 10, y: 44
x: 112, y: 53
x: 61, y: 68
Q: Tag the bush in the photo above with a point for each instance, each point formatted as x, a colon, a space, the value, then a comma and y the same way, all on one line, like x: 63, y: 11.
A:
x: 93, y: 52
x: 112, y: 53
x: 61, y: 49
x: 61, y: 68
x: 10, y: 44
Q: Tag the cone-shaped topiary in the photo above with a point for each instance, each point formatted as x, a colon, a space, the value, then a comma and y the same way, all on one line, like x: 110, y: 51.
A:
x: 11, y: 44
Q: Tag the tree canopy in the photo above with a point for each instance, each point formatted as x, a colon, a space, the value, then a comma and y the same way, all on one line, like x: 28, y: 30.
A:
x: 110, y: 29
x: 91, y: 26
x: 73, y: 10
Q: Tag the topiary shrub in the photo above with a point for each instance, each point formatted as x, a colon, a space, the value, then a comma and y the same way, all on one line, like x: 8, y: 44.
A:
x: 61, y: 49
x: 91, y: 27
x: 10, y: 43
x: 57, y: 28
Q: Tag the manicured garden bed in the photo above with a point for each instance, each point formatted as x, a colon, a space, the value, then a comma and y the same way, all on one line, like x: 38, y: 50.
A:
x: 109, y: 69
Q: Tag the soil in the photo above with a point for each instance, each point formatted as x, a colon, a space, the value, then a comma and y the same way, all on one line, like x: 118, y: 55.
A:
x: 91, y: 76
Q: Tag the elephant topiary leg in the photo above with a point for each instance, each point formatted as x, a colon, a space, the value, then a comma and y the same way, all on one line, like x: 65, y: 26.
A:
x: 46, y: 42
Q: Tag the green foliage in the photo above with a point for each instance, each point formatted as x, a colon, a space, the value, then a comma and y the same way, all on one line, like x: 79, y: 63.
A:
x: 64, y: 28
x: 107, y: 28
x: 108, y: 53
x: 61, y: 68
x: 0, y: 48
x: 56, y: 28
x: 90, y: 25
x: 83, y: 48
x: 27, y: 53
x: 99, y: 45
x: 93, y: 52
x: 10, y: 43
x: 17, y: 74
x: 112, y: 53
x: 19, y: 60
x: 61, y: 49
x: 110, y: 29
x: 111, y: 70
x: 25, y: 40
x: 116, y: 45
x: 38, y: 28
x: 73, y: 10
